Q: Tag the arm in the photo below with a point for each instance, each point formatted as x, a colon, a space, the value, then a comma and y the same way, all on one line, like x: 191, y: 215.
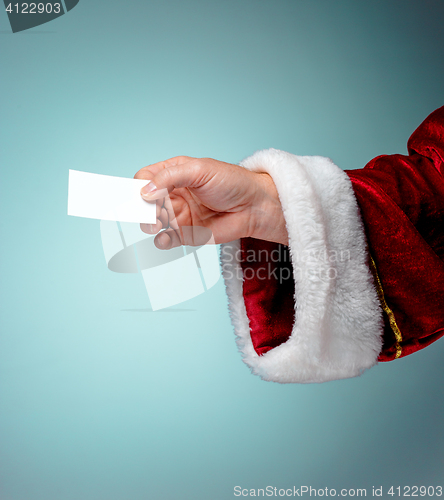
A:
x: 361, y: 279
x: 401, y: 199
x: 397, y: 233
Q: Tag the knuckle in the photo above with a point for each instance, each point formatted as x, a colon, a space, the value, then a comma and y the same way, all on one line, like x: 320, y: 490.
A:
x: 144, y: 173
x: 180, y: 159
x: 198, y: 166
x: 166, y: 177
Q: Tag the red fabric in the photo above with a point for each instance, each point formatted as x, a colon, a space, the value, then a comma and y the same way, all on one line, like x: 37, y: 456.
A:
x: 402, y: 205
x: 268, y: 292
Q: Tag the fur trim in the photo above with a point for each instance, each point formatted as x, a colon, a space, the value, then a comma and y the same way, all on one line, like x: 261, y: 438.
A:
x: 338, y: 325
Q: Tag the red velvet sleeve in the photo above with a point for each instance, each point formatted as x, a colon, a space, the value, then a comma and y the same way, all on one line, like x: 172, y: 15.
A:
x: 401, y: 199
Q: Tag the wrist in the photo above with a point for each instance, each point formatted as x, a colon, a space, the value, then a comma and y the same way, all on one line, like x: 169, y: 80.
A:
x: 268, y: 217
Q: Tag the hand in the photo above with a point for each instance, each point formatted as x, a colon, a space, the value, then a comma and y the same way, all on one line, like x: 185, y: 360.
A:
x: 231, y: 201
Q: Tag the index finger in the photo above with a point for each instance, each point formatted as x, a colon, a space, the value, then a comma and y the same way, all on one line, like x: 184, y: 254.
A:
x: 151, y: 171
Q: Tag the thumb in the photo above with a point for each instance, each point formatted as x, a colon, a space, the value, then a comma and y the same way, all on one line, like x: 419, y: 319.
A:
x: 177, y: 176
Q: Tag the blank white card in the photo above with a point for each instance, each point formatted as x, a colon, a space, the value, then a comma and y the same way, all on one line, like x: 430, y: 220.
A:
x: 106, y: 197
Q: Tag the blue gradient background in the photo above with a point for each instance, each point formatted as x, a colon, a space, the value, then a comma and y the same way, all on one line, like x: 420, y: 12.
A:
x: 101, y: 399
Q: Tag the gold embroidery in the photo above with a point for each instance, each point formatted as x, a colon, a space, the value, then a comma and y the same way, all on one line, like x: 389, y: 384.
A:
x: 387, y: 309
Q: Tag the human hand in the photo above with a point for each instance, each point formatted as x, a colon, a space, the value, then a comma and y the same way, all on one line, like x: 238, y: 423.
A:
x: 227, y: 199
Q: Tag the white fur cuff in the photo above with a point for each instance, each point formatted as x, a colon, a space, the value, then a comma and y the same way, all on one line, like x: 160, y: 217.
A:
x: 338, y: 319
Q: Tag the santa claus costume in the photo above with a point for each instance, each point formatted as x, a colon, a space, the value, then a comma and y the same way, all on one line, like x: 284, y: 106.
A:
x: 362, y: 279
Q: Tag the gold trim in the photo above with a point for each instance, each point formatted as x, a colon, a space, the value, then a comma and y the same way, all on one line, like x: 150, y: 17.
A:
x: 387, y: 309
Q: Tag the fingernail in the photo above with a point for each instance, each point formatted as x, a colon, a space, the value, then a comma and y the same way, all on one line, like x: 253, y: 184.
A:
x: 148, y: 189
